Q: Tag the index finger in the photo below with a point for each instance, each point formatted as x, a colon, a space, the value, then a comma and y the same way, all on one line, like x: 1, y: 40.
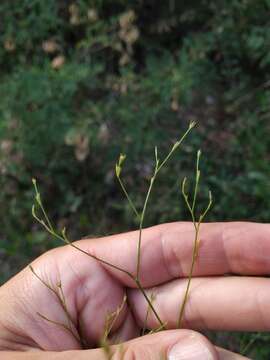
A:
x: 166, y: 251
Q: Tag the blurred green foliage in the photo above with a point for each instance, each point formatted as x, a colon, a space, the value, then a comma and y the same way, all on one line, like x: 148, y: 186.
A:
x: 83, y: 80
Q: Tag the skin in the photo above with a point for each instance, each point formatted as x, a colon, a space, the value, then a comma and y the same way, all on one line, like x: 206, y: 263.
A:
x: 229, y: 291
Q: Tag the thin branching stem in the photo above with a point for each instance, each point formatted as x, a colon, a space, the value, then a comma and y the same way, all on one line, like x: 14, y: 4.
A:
x: 67, y: 328
x: 61, y: 298
x: 152, y: 298
x: 149, y: 302
x: 64, y: 304
x: 118, y: 170
x: 196, y: 224
x: 38, y: 200
x: 141, y: 227
x: 67, y: 241
x: 197, y: 180
x: 187, y: 201
x: 207, y: 208
x: 64, y: 238
x: 131, y: 203
x: 47, y: 224
x: 153, y: 331
x: 111, y: 319
x: 194, y: 253
x: 158, y: 166
x: 176, y: 145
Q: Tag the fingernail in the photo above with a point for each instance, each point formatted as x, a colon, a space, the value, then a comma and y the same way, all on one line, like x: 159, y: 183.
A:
x: 190, y: 348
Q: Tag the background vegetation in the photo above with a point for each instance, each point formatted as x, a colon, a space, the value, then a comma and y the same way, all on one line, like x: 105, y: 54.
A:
x: 82, y: 80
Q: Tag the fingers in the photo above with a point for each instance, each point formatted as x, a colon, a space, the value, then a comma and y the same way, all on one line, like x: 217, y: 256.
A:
x: 177, y: 345
x: 236, y: 247
x: 171, y: 345
x: 221, y: 303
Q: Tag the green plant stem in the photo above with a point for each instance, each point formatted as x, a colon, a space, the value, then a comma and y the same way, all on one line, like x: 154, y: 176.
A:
x: 149, y: 302
x: 194, y: 256
x: 111, y: 319
x: 197, y: 180
x: 128, y: 197
x: 137, y: 282
x: 60, y: 325
x: 196, y: 225
x: 176, y: 145
x: 141, y: 227
x: 38, y: 199
x: 152, y: 297
x: 194, y: 253
x: 158, y: 167
x: 129, y: 274
x: 61, y: 299
x: 64, y: 304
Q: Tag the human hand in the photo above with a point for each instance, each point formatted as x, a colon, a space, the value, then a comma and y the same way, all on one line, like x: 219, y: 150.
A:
x: 93, y: 289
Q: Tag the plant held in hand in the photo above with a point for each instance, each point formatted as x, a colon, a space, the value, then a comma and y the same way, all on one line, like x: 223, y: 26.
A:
x: 40, y: 214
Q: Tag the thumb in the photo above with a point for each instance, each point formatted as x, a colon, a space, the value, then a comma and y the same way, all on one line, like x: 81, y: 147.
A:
x: 165, y: 345
x: 171, y: 345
